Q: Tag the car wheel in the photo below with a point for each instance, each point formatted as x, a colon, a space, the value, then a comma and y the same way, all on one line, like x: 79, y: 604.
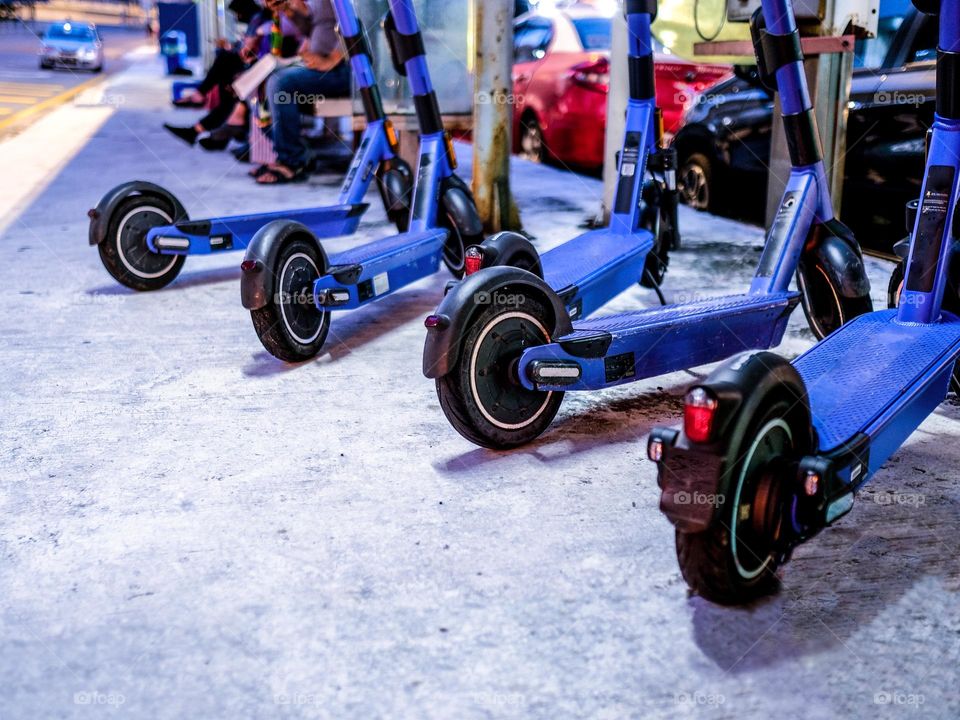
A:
x: 694, y: 182
x: 531, y: 140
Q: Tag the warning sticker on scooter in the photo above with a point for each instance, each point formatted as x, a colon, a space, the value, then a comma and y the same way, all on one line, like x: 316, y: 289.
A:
x: 931, y: 226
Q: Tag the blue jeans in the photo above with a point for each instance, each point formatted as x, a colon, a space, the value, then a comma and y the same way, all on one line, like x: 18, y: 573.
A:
x: 287, y: 90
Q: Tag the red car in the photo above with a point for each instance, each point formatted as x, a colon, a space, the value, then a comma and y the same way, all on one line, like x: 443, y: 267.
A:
x: 561, y: 75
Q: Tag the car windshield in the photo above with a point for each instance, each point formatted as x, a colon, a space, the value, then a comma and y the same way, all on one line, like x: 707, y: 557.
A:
x: 871, y: 52
x: 69, y: 32
x: 594, y: 32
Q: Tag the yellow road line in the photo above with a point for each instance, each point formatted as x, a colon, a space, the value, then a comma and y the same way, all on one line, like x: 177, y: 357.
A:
x: 18, y: 100
x: 49, y: 102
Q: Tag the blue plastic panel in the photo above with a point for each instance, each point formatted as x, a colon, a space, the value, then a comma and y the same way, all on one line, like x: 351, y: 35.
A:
x: 860, y: 372
x: 576, y: 260
x: 379, y: 250
x: 651, y: 342
x: 670, y: 314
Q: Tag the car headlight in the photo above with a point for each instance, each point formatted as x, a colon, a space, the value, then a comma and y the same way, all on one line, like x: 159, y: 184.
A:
x: 88, y: 54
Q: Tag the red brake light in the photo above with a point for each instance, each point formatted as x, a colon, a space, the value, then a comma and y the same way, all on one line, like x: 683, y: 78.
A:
x: 249, y: 266
x: 593, y: 75
x: 699, y: 410
x: 472, y: 260
x: 436, y: 321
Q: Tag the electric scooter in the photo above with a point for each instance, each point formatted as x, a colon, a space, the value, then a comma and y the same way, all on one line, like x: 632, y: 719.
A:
x: 504, y: 348
x: 144, y: 235
x: 772, y: 452
x: 288, y: 282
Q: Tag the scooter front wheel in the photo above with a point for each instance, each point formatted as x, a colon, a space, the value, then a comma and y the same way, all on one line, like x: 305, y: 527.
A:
x: 482, y: 396
x: 124, y: 251
x: 735, y: 560
x: 291, y: 326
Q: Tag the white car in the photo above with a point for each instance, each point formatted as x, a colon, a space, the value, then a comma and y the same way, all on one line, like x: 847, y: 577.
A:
x: 69, y: 44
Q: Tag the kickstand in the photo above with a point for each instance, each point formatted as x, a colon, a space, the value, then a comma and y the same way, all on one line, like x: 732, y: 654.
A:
x: 655, y: 285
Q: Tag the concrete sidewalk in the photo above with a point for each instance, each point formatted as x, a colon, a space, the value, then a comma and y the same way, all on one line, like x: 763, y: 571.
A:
x: 192, y: 529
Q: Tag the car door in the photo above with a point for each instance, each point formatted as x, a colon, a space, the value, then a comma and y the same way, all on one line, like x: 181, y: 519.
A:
x: 890, y: 111
x: 531, y: 39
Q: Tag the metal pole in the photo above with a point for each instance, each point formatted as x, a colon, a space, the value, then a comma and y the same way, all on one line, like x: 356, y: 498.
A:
x: 616, y: 111
x: 492, y: 114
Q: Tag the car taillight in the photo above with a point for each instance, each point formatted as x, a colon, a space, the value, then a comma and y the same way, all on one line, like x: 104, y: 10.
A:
x: 472, y: 260
x: 593, y: 75
x: 699, y: 410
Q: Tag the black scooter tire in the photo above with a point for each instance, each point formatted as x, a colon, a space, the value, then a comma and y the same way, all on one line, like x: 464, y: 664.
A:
x: 707, y: 559
x: 843, y: 309
x: 124, y: 252
x: 290, y: 326
x: 481, y: 410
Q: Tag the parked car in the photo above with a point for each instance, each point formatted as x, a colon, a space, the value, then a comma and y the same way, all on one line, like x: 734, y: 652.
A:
x: 70, y: 44
x: 561, y: 76
x: 724, y: 144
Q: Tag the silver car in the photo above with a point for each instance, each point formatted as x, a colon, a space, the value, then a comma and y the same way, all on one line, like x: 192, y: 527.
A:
x: 70, y: 44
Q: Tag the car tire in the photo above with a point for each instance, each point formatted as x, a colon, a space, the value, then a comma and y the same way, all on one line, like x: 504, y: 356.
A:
x: 532, y: 146
x: 695, y: 182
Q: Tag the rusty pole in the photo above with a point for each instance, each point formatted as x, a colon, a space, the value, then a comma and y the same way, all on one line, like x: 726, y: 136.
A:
x: 492, y: 114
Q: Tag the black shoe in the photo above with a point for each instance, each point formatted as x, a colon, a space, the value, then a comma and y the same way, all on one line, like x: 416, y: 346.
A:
x: 185, y: 72
x: 187, y: 134
x: 212, y: 143
x: 242, y: 153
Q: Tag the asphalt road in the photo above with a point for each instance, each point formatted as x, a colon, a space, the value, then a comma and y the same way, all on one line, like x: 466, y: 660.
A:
x: 26, y: 91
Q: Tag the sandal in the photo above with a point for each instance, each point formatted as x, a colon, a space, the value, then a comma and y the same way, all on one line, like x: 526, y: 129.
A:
x: 276, y: 176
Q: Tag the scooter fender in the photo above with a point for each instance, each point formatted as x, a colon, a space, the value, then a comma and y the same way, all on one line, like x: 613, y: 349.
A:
x: 101, y: 215
x: 511, y: 248
x: 690, y: 470
x: 458, y: 203
x: 395, y: 182
x: 258, y: 279
x: 467, y: 298
x: 834, y: 245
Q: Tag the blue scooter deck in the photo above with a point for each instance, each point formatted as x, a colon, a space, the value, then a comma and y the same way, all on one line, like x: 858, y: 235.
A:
x: 619, y: 348
x: 384, y: 265
x: 202, y: 237
x: 597, y: 257
x: 858, y: 372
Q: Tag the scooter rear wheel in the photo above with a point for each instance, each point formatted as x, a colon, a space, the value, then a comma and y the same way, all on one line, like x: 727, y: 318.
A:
x: 124, y: 250
x: 735, y: 560
x: 290, y: 325
x: 482, y: 396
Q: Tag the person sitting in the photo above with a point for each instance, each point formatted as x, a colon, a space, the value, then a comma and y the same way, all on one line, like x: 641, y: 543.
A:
x: 324, y: 72
x: 228, y: 119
